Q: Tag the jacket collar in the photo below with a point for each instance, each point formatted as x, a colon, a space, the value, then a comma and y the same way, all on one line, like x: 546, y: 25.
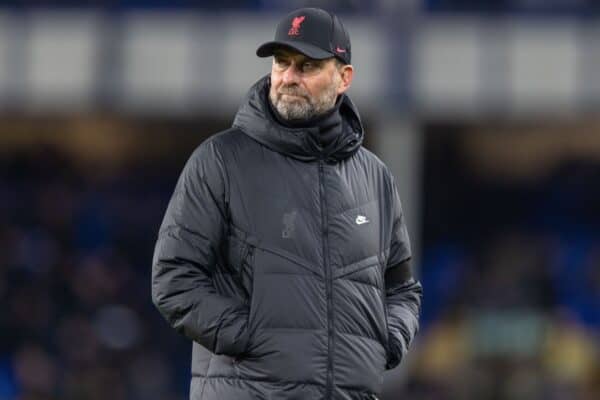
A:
x: 255, y: 119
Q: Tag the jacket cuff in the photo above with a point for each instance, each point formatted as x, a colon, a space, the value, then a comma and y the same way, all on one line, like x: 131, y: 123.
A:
x: 394, y: 352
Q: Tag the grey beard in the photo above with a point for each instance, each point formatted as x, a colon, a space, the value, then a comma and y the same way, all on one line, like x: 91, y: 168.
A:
x: 304, y: 107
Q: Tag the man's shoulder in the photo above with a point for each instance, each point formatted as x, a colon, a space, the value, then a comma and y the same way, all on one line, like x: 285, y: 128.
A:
x: 225, y: 138
x: 372, y: 159
x: 221, y: 143
x: 214, y: 152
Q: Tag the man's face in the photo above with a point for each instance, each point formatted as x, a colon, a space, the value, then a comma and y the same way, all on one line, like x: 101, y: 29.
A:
x: 303, y: 87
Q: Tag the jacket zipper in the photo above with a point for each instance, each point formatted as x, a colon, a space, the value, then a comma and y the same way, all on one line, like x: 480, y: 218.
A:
x: 328, y: 283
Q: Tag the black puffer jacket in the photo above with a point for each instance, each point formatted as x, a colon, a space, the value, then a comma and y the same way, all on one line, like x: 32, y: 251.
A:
x: 272, y: 255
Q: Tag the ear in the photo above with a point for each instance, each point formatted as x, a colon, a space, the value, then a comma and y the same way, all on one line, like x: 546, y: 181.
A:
x: 346, y: 72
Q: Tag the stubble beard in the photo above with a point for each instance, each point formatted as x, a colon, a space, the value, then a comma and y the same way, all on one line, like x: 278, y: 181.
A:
x: 305, y: 106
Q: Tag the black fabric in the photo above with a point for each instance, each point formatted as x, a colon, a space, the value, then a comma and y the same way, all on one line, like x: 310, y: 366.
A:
x: 272, y: 258
x: 398, y: 274
x: 313, y: 32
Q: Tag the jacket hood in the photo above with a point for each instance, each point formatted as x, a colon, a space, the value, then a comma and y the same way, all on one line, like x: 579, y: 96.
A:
x: 255, y: 120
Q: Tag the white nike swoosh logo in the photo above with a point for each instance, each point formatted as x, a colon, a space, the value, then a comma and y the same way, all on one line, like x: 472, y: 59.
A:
x: 361, y: 219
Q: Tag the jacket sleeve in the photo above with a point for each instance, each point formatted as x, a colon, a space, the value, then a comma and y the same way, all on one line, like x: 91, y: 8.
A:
x: 185, y: 257
x: 403, y: 292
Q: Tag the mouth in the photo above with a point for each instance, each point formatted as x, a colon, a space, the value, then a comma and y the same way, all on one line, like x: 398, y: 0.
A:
x: 292, y: 96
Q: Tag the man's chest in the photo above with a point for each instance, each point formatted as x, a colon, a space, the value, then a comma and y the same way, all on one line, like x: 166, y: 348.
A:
x: 312, y: 210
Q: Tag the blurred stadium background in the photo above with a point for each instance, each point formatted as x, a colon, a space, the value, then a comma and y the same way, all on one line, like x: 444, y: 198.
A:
x: 486, y: 111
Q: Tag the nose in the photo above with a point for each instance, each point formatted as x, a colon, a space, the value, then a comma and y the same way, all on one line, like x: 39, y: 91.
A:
x: 290, y: 75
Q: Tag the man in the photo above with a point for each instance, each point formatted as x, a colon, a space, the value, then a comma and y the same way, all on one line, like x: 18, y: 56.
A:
x: 283, y: 253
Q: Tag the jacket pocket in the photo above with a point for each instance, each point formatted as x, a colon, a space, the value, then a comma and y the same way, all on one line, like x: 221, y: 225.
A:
x: 242, y: 268
x: 386, y: 344
x: 386, y: 334
x: 247, y: 271
x: 239, y: 253
x: 248, y: 283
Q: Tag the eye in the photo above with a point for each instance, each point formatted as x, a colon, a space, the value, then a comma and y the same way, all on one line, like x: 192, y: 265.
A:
x: 308, y: 66
x: 280, y: 61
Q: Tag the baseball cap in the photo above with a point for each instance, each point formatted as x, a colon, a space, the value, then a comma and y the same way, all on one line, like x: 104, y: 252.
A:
x: 313, y: 32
